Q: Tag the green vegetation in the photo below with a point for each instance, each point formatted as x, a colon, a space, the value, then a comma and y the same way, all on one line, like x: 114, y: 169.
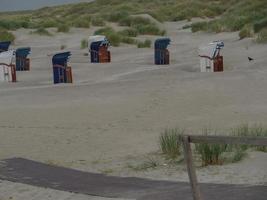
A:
x: 145, y: 44
x: 63, y: 28
x: 97, y: 21
x: 262, y: 36
x: 62, y: 47
x: 149, y: 163
x: 235, y: 15
x: 84, y: 43
x: 115, y: 38
x: 41, y: 31
x: 171, y: 142
x: 212, y: 154
x: 246, y: 31
x: 130, y: 32
x: 6, y: 36
x: 241, y: 16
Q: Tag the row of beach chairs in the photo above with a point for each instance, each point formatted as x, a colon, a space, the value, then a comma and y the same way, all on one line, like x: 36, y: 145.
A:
x: 210, y: 58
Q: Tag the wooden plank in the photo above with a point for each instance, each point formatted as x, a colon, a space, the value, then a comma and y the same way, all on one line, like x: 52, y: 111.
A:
x: 191, y: 169
x: 257, y: 141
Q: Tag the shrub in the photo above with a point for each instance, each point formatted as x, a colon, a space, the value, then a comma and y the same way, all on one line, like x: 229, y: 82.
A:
x: 48, y: 23
x: 42, y: 31
x: 6, y: 36
x: 62, y: 47
x: 262, y: 36
x: 97, y: 21
x: 82, y: 22
x: 199, y: 26
x: 84, y: 44
x: 259, y: 25
x: 63, y: 28
x: 104, y: 31
x: 150, y: 29
x: 246, y: 31
x: 145, y: 44
x: 131, y: 32
x: 128, y: 40
x: 171, y: 142
x: 113, y: 37
x: 117, y: 16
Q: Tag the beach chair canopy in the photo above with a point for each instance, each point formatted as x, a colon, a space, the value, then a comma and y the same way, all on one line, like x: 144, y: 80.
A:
x: 211, y: 50
x: 61, y: 58
x: 97, y: 40
x: 4, y: 46
x: 23, y: 52
x: 162, y: 43
x: 6, y: 57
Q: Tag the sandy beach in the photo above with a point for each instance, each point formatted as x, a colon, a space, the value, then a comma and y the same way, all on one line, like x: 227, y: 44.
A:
x: 112, y: 115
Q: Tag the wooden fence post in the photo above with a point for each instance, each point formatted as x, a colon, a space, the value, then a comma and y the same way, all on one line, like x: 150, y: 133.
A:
x: 191, y: 169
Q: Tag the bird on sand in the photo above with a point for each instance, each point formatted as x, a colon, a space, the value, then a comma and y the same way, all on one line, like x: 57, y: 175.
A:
x: 250, y: 59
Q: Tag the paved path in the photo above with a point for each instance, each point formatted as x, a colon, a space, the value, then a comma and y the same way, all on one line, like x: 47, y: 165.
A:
x: 59, y: 178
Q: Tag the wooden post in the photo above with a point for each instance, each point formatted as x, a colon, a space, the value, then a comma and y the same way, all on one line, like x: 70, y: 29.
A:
x: 190, y: 168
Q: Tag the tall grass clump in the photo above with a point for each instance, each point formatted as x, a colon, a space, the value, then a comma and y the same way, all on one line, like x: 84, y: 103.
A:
x: 130, y: 32
x: 42, y: 31
x: 97, y: 21
x: 64, y: 28
x: 255, y: 130
x: 113, y: 37
x: 262, y: 36
x: 245, y: 32
x: 6, y: 36
x: 128, y: 40
x: 84, y: 43
x: 211, y: 154
x: 171, y: 142
x: 259, y: 25
x: 145, y: 44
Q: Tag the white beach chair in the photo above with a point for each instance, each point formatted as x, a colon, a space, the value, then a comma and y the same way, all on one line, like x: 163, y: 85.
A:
x: 7, y: 69
x: 208, y: 54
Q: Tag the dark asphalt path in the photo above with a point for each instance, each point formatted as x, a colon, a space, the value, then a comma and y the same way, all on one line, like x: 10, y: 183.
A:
x: 38, y: 174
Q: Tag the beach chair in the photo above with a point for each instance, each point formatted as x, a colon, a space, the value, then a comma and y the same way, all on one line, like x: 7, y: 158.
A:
x: 98, y: 47
x: 162, y: 55
x: 7, y: 69
x: 4, y: 46
x: 22, y: 62
x: 210, y: 57
x: 61, y: 71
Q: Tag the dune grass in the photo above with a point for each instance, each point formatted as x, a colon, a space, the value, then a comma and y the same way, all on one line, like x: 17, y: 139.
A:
x: 145, y: 44
x: 42, y: 32
x: 84, y: 43
x: 6, y: 36
x: 171, y: 142
x: 63, y: 28
x: 262, y: 36
x: 120, y: 11
x: 244, y: 16
x: 213, y: 154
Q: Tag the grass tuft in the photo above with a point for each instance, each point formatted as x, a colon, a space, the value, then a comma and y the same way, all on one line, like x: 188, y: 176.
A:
x: 64, y: 28
x: 262, y: 36
x: 42, y: 32
x: 84, y: 44
x: 6, y: 36
x: 171, y: 142
x: 145, y: 44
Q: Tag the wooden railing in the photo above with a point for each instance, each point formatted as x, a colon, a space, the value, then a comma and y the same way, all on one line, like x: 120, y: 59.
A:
x: 257, y: 141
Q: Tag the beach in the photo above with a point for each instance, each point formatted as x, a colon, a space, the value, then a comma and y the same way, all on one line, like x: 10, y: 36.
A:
x: 112, y: 115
